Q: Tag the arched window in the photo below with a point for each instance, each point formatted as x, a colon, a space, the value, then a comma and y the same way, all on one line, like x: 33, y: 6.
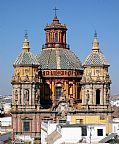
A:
x: 56, y: 37
x: 97, y: 96
x: 58, y: 92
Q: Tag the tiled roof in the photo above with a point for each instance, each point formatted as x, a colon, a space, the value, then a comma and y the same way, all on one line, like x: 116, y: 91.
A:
x: 26, y: 58
x: 96, y: 59
x: 59, y: 58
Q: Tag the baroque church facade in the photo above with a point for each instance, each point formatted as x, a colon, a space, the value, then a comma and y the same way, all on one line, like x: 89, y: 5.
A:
x: 55, y: 84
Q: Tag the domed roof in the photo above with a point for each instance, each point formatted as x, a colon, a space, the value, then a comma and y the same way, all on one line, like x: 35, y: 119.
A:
x: 59, y: 58
x: 26, y: 57
x: 96, y: 58
x: 55, y: 24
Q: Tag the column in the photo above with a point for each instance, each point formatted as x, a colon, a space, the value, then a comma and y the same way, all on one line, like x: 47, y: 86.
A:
x: 60, y: 37
x: 30, y: 95
x: 67, y: 89
x: 33, y: 95
x: 18, y: 95
x: 74, y: 91
x: 50, y: 84
x: 104, y: 87
x: 83, y: 95
x: 90, y: 96
x: 101, y: 96
x: 94, y: 96
x: 53, y: 91
x: 22, y: 97
x: 46, y: 37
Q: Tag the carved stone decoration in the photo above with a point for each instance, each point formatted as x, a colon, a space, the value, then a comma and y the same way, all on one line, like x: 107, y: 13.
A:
x: 36, y: 77
x: 17, y: 78
x: 89, y: 78
x: 83, y: 80
x: 26, y: 78
x: 98, y: 78
x: 26, y: 96
x: 107, y: 95
x: 62, y: 109
x: 13, y: 78
x: 107, y: 79
x: 71, y: 101
x: 37, y: 96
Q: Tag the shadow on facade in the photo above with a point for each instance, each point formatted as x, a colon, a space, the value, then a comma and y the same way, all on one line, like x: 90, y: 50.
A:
x: 46, y: 93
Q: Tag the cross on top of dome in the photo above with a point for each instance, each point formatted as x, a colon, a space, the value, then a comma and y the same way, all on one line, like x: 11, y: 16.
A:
x: 55, y: 9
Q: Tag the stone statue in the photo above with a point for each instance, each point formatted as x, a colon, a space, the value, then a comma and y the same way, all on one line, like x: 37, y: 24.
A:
x: 63, y: 109
x: 26, y: 96
x: 37, y: 96
x: 26, y: 78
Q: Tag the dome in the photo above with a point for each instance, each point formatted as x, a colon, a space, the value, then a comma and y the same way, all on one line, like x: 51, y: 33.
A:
x: 59, y: 58
x: 26, y: 58
x: 96, y: 59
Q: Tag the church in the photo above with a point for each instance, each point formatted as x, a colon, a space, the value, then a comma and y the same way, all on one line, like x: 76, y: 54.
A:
x: 54, y: 85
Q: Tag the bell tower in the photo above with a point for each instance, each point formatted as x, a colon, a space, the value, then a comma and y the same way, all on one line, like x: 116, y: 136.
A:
x: 25, y: 95
x: 96, y: 81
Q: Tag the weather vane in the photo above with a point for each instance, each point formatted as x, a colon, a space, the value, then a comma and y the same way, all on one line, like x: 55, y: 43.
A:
x: 55, y: 9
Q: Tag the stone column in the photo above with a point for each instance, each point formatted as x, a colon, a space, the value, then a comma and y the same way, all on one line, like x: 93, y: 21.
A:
x: 101, y: 97
x: 22, y: 96
x: 53, y: 91
x: 18, y: 96
x: 30, y: 95
x: 105, y: 95
x: 83, y: 95
x: 94, y: 96
x: 77, y: 91
x: 13, y: 98
x: 71, y: 89
x: 67, y: 89
x: 33, y: 94
x: 18, y: 123
x: 74, y: 91
x: 90, y: 96
x: 50, y: 84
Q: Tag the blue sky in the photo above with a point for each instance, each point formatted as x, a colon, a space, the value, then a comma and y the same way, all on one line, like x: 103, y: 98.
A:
x: 82, y: 18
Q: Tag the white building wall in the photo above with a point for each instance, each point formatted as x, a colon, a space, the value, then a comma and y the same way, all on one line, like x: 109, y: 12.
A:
x: 71, y: 134
x: 92, y: 133
x: 115, y: 125
x: 51, y: 127
x: 115, y: 103
x: 6, y: 121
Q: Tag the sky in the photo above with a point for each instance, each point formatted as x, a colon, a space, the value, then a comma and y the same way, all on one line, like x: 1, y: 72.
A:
x: 82, y: 18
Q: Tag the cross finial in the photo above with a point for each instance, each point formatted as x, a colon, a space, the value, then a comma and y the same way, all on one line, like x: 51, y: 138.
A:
x: 95, y: 34
x: 26, y: 34
x: 55, y: 9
